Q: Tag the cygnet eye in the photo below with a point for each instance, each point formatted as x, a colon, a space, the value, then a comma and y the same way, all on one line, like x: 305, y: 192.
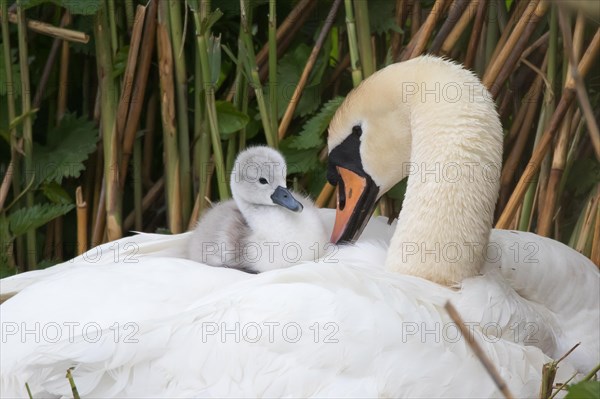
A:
x: 262, y: 180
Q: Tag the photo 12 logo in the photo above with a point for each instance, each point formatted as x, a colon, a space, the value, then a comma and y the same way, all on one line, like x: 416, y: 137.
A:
x: 269, y: 331
x: 71, y: 331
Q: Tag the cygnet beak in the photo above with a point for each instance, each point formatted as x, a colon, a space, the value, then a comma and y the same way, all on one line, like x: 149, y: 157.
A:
x: 283, y: 197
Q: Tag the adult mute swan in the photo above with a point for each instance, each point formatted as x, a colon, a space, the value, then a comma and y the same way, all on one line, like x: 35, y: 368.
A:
x: 341, y: 326
x: 265, y: 226
x: 432, y: 120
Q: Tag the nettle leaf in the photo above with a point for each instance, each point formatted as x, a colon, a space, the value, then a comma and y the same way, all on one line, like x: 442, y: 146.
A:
x: 382, y: 16
x: 399, y: 190
x: 16, y: 76
x: 299, y: 161
x: 230, y: 119
x: 82, y: 7
x: 120, y: 61
x: 311, y: 135
x: 584, y: 389
x: 25, y: 219
x: 69, y: 145
x: 5, y: 247
x: 584, y: 176
x: 56, y: 193
x: 289, y: 69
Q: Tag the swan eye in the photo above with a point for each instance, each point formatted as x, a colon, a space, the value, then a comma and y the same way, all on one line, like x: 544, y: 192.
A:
x: 262, y: 180
x: 357, y: 130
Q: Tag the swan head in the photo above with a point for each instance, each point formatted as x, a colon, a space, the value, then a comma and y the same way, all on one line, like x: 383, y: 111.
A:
x: 259, y: 178
x: 408, y: 112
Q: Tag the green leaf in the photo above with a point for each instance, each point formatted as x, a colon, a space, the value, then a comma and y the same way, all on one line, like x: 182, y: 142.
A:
x: 584, y: 390
x: 69, y: 145
x: 214, y: 58
x: 299, y: 161
x: 25, y: 219
x: 584, y: 176
x: 16, y: 76
x: 82, y: 7
x: 311, y: 135
x: 207, y: 22
x: 289, y: 69
x: 5, y: 246
x: 56, y: 193
x: 397, y: 192
x: 230, y: 119
x: 120, y: 61
x: 20, y: 118
x: 382, y: 16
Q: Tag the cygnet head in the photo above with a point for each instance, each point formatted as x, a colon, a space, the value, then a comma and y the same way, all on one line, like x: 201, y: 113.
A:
x: 258, y: 178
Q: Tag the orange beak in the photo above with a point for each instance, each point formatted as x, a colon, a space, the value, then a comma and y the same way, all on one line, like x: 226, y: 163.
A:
x: 356, y: 199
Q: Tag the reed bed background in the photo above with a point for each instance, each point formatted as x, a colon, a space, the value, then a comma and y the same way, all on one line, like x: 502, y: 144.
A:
x: 120, y: 116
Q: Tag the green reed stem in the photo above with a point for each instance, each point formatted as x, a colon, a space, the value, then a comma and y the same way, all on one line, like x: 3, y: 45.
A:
x: 181, y: 89
x: 201, y: 20
x: 353, y: 44
x: 27, y: 128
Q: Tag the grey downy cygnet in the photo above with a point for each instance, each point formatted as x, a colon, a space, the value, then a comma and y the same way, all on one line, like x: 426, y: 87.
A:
x: 265, y: 226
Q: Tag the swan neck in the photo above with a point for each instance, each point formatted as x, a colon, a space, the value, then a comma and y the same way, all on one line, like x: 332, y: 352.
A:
x: 453, y: 180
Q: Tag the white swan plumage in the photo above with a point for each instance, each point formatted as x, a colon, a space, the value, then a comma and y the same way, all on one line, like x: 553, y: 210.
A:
x: 380, y: 332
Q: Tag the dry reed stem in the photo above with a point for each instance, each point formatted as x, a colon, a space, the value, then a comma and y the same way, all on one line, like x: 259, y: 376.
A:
x: 99, y: 227
x: 324, y: 195
x: 195, y: 212
x: 61, y: 107
x: 6, y: 182
x: 517, y: 49
x: 136, y: 99
x: 572, y: 48
x: 457, y: 9
x: 286, y: 31
x: 150, y: 128
x: 292, y: 21
x: 396, y: 42
x: 97, y: 182
x: 340, y: 68
x: 487, y: 364
x: 476, y: 34
x: 515, y: 127
x: 415, y: 20
x: 48, y: 240
x: 546, y: 139
x: 508, y: 28
x: 167, y: 96
x: 588, y: 223
x: 415, y: 29
x: 63, y: 79
x: 282, y: 46
x: 497, y: 63
x: 547, y: 212
x: 312, y: 59
x: 128, y: 80
x: 82, y: 238
x: 58, y: 238
x: 449, y: 41
x: 51, y: 30
x: 595, y: 256
x: 541, y: 41
x: 37, y: 99
x: 524, y: 129
x: 152, y: 195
